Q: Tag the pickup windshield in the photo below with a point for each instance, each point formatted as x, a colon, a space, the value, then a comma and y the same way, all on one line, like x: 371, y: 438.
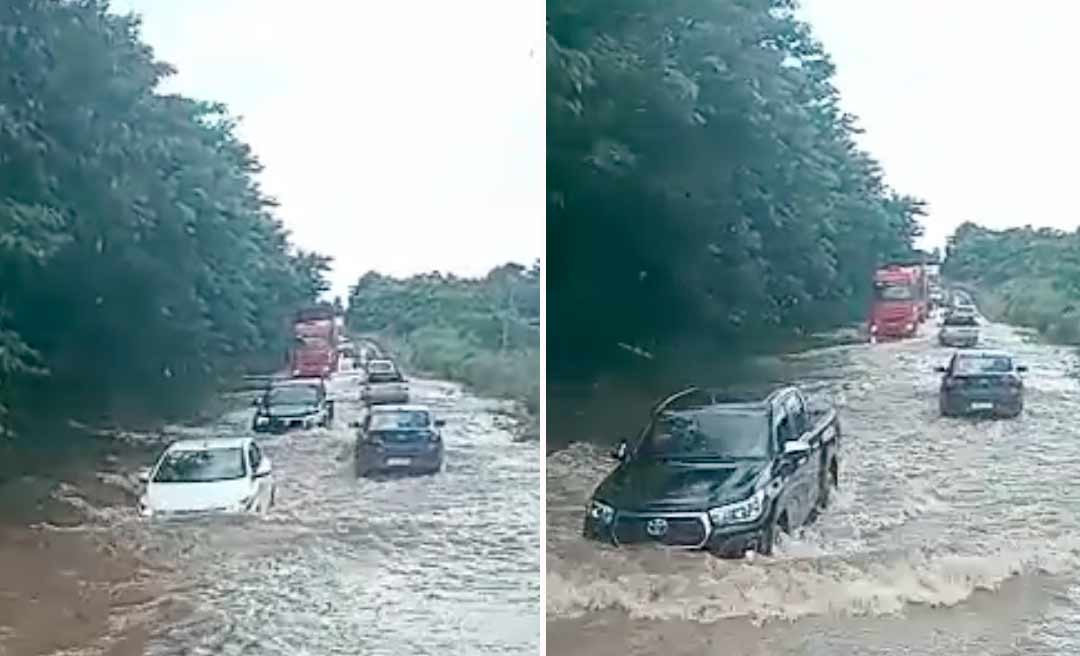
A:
x: 709, y: 433
x: 293, y: 395
x: 206, y: 466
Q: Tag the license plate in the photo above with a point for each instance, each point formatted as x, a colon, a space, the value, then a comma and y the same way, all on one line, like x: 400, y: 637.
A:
x: 982, y: 406
x: 398, y: 462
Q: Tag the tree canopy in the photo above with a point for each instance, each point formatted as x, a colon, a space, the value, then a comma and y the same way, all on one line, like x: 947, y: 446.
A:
x: 139, y: 258
x: 1027, y: 276
x: 702, y: 178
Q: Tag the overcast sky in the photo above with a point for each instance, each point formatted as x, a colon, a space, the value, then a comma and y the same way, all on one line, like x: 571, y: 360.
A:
x: 398, y: 136
x: 969, y: 104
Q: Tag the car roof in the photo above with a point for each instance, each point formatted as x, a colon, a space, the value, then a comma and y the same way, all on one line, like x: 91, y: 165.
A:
x: 379, y: 409
x: 202, y: 444
x: 984, y: 354
x: 751, y: 399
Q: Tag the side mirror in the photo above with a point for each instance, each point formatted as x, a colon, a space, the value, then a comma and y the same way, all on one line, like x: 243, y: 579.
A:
x: 795, y: 448
x: 256, y: 402
x: 621, y: 451
x: 144, y: 476
x: 354, y: 424
x: 940, y: 370
x: 264, y: 469
x: 1021, y: 368
x: 439, y: 423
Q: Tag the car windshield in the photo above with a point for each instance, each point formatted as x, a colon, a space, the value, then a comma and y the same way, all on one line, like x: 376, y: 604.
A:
x: 293, y: 395
x: 381, y: 367
x: 201, y: 466
x: 887, y: 292
x: 983, y: 364
x: 400, y: 420
x: 734, y: 435
x: 961, y: 320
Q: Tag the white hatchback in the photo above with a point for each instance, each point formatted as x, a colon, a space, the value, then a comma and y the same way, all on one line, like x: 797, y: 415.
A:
x: 200, y: 477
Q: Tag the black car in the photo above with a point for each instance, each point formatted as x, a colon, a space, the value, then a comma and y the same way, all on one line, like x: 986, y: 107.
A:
x: 981, y: 382
x: 297, y: 403
x: 399, y: 438
x: 721, y: 474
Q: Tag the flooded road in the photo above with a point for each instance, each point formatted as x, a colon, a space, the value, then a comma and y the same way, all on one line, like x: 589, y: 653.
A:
x: 443, y: 564
x: 948, y: 536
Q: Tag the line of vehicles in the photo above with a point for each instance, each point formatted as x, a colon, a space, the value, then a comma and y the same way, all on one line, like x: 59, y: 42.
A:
x: 729, y: 473
x: 196, y: 477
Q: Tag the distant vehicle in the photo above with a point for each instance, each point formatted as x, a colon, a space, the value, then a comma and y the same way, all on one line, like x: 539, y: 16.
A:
x: 959, y: 329
x: 404, y: 438
x: 721, y: 474
x: 384, y: 383
x: 900, y: 302
x: 316, y: 334
x: 211, y: 476
x: 299, y: 403
x: 981, y: 382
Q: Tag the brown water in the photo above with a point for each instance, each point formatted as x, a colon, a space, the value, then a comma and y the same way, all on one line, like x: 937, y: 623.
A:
x: 445, y: 564
x: 948, y: 536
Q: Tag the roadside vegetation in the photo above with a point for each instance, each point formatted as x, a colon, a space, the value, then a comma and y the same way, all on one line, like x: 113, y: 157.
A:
x: 484, y: 332
x: 703, y: 182
x: 140, y: 262
x: 1024, y: 276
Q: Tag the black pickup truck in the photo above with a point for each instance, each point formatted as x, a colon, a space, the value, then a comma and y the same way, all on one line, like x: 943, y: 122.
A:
x: 710, y: 471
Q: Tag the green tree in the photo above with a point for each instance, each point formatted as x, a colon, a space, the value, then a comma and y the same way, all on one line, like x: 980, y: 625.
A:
x: 703, y: 179
x: 140, y: 261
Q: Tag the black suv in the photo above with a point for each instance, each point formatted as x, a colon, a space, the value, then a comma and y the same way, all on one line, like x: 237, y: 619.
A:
x: 296, y: 403
x: 710, y: 472
x: 981, y: 382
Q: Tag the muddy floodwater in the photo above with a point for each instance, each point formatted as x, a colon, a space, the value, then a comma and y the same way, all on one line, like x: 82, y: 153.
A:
x: 443, y: 564
x: 948, y: 536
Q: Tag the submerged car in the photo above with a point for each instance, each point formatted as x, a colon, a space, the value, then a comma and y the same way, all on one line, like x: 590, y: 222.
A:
x: 981, y: 382
x: 384, y: 384
x: 402, y: 438
x: 211, y: 476
x: 300, y: 403
x: 709, y: 472
x: 961, y: 330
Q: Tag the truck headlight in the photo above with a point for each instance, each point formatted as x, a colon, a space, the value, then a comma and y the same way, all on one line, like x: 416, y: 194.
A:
x: 601, y: 512
x: 873, y: 328
x: 747, y: 510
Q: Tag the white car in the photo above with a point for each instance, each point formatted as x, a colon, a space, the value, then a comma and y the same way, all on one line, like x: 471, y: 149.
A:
x: 209, y: 476
x: 385, y: 384
x: 959, y: 329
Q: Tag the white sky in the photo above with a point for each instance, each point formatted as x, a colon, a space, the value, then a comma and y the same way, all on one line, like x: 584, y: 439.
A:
x: 970, y: 104
x: 402, y: 137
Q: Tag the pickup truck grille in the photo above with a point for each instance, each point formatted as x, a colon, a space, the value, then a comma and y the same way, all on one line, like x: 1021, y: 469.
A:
x: 680, y: 531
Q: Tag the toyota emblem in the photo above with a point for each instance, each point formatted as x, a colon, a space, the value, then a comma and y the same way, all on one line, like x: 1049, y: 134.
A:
x: 656, y: 527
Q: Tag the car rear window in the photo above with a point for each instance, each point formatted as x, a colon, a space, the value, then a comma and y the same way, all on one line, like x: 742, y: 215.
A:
x: 400, y: 419
x: 961, y: 320
x: 381, y: 367
x: 983, y: 364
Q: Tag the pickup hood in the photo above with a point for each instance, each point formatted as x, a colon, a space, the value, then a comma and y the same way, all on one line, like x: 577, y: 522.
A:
x: 649, y: 484
x: 173, y: 497
x: 290, y: 411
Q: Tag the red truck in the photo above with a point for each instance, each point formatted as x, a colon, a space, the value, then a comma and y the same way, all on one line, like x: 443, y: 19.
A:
x: 901, y: 301
x: 315, y: 350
